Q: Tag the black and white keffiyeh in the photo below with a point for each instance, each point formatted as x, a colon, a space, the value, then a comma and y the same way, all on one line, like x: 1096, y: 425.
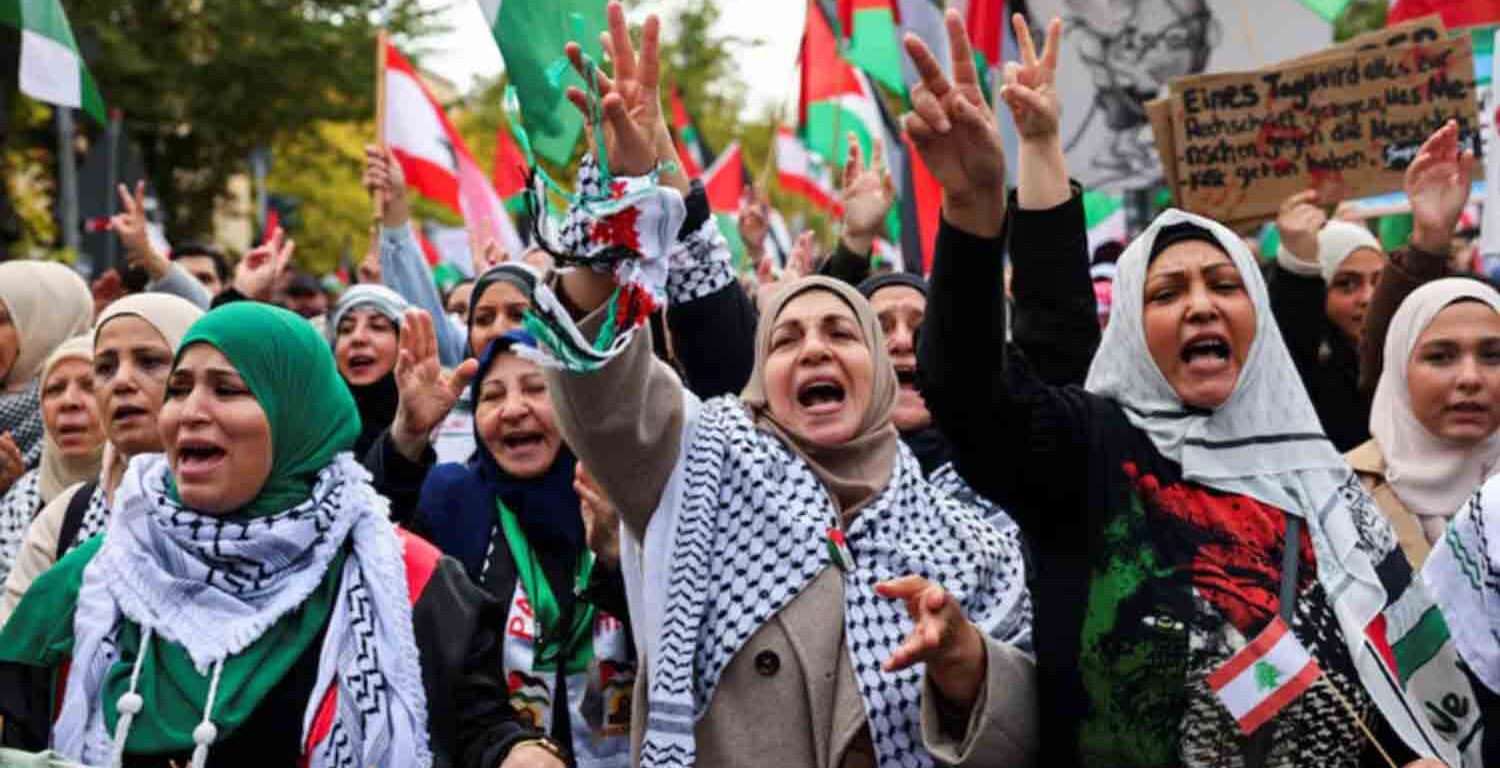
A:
x: 18, y: 507
x: 213, y: 586
x: 1464, y: 573
x: 744, y: 523
x: 21, y: 416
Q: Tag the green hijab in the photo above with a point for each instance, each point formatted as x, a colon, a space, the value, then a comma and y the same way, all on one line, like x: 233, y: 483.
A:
x: 290, y: 370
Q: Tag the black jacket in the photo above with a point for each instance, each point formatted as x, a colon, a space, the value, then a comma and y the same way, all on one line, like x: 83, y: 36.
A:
x: 470, y: 721
x: 1326, y: 360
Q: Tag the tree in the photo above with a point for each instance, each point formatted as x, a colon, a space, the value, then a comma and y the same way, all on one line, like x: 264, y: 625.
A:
x: 203, y: 83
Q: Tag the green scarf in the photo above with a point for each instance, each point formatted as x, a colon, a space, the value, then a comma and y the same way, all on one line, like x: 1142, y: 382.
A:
x: 290, y: 370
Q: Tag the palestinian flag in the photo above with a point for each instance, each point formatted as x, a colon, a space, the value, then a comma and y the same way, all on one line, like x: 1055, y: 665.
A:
x: 724, y: 181
x: 531, y: 35
x: 835, y: 99
x: 920, y: 210
x: 51, y: 69
x: 1104, y: 214
x: 872, y: 42
x: 805, y: 174
x: 1264, y: 677
x: 510, y: 170
x: 690, y: 147
x: 1455, y: 13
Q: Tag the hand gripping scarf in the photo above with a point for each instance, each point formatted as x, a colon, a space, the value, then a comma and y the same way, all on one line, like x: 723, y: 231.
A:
x: 1265, y: 442
x: 1464, y: 572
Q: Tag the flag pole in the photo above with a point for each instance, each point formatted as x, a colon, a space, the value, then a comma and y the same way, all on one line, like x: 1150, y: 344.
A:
x: 1358, y: 720
x: 380, y: 45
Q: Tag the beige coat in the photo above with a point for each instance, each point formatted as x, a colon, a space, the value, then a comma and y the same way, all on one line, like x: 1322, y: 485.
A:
x: 1369, y: 464
x: 789, y: 697
x: 38, y: 551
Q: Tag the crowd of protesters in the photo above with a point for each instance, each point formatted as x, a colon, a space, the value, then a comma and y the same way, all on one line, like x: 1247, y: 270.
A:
x: 611, y: 504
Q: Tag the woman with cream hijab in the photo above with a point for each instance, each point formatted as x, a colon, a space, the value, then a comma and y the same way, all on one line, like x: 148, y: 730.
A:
x: 134, y: 341
x: 71, y: 447
x: 42, y: 304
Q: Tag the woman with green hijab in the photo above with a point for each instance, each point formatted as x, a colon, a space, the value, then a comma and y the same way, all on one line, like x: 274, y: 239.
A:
x: 249, y: 595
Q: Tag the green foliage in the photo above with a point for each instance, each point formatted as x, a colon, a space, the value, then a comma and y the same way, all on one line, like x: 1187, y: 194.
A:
x: 203, y: 83
x: 1360, y: 17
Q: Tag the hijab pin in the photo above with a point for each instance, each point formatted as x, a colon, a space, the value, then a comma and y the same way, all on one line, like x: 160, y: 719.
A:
x: 838, y: 549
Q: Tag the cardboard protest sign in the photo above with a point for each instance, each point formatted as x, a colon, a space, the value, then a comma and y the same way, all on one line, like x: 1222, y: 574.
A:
x: 1345, y: 124
x: 1428, y: 29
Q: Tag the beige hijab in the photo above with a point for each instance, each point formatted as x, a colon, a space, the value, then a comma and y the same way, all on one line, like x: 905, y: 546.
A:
x: 48, y: 304
x: 1432, y: 478
x: 59, y: 471
x: 171, y: 317
x: 858, y: 470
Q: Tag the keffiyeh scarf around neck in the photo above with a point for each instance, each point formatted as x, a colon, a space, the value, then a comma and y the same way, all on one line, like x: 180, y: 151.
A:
x: 214, y: 586
x: 1464, y: 572
x: 1265, y: 442
x: 21, y: 416
x: 746, y: 524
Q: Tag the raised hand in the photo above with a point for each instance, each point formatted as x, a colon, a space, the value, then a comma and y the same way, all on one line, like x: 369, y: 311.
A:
x: 754, y: 223
x: 799, y: 263
x: 1299, y: 222
x: 427, y: 392
x: 948, y: 643
x: 601, y: 521
x: 12, y: 463
x: 631, y: 101
x: 383, y: 175
x: 130, y: 225
x: 1030, y: 84
x: 484, y: 252
x: 1437, y: 183
x: 259, y: 271
x: 867, y: 196
x: 956, y: 134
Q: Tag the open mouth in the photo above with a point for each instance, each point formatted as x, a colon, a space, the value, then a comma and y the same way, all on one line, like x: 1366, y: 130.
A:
x: 361, y: 363
x: 906, y: 376
x: 1206, y: 350
x: 125, y: 413
x: 522, y: 441
x: 71, y: 432
x: 821, y: 396
x: 195, y: 457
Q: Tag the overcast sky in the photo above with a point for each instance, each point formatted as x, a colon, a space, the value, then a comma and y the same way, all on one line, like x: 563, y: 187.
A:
x: 468, y: 52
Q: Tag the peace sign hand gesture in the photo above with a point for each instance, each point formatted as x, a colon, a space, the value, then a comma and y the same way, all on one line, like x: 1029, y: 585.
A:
x: 256, y: 274
x: 1030, y: 84
x: 956, y: 134
x: 631, y: 101
x: 130, y: 225
x: 427, y: 393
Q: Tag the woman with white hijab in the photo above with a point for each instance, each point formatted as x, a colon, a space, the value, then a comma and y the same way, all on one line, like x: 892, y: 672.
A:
x: 1187, y: 513
x: 1436, y: 410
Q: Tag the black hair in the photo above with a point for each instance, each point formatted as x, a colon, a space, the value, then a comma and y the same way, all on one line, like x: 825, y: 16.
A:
x: 221, y: 266
x: 1182, y: 232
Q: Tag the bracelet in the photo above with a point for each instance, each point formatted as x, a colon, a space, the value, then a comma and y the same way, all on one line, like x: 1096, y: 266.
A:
x: 545, y: 742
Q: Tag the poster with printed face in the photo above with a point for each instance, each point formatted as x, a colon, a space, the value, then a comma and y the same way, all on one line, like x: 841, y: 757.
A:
x: 1119, y: 54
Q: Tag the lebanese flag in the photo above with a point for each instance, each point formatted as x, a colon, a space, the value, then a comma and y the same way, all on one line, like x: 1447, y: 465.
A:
x: 724, y: 181
x: 1264, y: 677
x: 801, y: 172
x: 433, y: 156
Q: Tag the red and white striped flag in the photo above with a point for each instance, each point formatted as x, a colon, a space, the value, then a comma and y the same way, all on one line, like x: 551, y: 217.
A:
x: 801, y: 172
x: 437, y: 163
x: 1265, y: 676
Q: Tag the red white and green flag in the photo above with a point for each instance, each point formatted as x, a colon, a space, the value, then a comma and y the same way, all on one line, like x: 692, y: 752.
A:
x: 835, y: 99
x: 1455, y: 13
x: 724, y: 181
x: 434, y: 158
x: 803, y: 173
x: 872, y: 39
x: 1264, y: 677
x: 51, y: 68
x: 690, y: 147
x: 510, y: 170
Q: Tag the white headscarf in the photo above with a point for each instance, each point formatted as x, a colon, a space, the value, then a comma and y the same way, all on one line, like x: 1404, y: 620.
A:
x: 1337, y: 241
x: 1266, y: 428
x: 1431, y: 476
x: 59, y: 471
x: 48, y: 304
x: 1265, y: 442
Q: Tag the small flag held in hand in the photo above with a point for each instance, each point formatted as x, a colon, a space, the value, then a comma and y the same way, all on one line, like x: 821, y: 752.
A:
x: 1265, y: 676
